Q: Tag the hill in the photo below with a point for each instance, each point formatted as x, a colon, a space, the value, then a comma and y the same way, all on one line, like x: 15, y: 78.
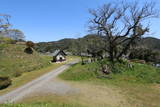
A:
x: 51, y: 46
x: 73, y: 45
x: 14, y: 61
x: 152, y: 43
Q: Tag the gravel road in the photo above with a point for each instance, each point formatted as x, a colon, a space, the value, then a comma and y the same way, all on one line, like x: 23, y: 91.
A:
x: 35, y: 85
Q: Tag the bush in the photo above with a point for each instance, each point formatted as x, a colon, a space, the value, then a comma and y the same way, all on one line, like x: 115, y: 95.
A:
x: 145, y: 54
x: 28, y: 50
x: 5, y: 82
x: 30, y: 44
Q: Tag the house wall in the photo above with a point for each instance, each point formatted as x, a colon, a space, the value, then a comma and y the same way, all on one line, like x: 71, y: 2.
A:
x: 60, y: 56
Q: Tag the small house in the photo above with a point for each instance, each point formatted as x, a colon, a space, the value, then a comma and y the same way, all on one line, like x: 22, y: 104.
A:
x: 59, y: 56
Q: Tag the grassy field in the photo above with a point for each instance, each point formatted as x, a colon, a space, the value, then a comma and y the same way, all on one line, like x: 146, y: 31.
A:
x: 140, y: 73
x: 139, y: 86
x: 130, y: 87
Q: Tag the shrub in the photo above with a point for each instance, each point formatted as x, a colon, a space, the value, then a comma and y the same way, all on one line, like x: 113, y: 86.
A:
x: 30, y: 44
x: 28, y: 50
x: 5, y: 82
x: 145, y: 54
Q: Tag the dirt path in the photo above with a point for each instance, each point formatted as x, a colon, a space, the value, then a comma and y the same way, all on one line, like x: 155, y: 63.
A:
x: 34, y: 85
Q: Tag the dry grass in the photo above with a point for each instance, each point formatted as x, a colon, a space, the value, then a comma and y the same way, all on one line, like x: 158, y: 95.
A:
x: 142, y: 95
x: 89, y: 95
x: 93, y: 95
x: 139, y: 87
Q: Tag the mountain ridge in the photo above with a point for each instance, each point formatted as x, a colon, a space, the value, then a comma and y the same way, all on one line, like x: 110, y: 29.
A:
x: 71, y: 44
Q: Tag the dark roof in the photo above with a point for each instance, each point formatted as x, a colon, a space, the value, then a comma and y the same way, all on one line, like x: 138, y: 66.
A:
x: 56, y: 52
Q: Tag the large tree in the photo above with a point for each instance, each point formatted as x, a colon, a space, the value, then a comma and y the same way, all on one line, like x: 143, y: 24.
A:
x: 6, y: 31
x: 121, y: 25
x: 4, y: 22
x: 14, y: 34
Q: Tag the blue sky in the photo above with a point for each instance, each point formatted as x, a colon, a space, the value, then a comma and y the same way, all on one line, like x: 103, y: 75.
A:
x: 51, y: 20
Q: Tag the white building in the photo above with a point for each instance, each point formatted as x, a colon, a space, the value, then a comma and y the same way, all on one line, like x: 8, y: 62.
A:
x: 59, y: 56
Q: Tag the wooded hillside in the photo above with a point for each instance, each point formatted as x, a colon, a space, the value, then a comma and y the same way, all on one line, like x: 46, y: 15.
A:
x: 72, y: 45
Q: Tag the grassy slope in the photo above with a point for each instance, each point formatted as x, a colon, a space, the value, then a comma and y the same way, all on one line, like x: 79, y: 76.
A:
x: 13, y: 60
x: 140, y: 73
x: 29, y: 76
x: 139, y: 85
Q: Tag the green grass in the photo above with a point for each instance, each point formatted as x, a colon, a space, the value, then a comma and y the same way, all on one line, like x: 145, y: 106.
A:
x: 78, y: 72
x: 140, y: 85
x: 14, y: 61
x: 140, y: 73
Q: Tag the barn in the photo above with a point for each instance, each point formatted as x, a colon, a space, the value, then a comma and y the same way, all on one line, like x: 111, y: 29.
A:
x: 59, y: 56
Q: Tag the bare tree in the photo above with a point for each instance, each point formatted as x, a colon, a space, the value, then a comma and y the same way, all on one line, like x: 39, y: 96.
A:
x: 121, y: 25
x: 14, y: 34
x: 4, y: 22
